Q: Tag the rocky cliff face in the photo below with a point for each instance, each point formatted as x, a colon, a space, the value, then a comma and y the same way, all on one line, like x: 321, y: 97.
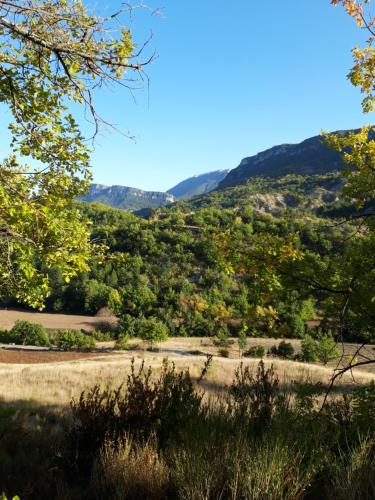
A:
x: 127, y: 198
x: 311, y: 156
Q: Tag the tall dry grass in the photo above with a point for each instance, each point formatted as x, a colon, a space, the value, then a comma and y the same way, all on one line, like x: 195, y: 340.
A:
x: 56, y: 384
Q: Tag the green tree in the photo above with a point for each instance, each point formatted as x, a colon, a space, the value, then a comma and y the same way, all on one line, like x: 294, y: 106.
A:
x: 26, y: 333
x: 308, y: 349
x: 326, y: 348
x: 52, y: 53
x: 152, y: 330
x: 242, y: 341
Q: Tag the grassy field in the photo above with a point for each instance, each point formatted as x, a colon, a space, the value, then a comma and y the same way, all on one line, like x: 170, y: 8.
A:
x: 55, y: 382
x: 52, y: 378
x: 53, y: 450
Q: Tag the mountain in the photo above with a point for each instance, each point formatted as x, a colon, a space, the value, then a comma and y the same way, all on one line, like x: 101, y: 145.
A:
x: 310, y: 157
x: 197, y: 185
x: 127, y: 198
x: 318, y: 194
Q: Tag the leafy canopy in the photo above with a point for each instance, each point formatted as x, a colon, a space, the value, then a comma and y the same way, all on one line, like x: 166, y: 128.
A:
x: 52, y: 53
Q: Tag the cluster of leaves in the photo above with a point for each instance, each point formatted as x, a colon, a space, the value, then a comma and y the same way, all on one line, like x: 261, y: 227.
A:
x: 52, y: 54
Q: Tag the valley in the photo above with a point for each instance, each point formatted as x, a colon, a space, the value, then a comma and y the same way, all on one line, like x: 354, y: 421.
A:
x: 210, y: 340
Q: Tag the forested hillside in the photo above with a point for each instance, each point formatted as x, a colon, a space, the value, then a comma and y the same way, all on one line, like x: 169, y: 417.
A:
x: 240, y: 258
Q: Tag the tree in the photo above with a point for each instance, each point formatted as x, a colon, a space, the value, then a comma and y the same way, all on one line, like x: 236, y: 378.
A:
x: 52, y: 53
x: 326, y: 348
x: 352, y: 280
x: 242, y: 341
x: 152, y: 330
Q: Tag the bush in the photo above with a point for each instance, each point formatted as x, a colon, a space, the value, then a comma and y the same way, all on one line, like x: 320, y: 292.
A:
x: 242, y: 341
x: 323, y: 348
x: 122, y: 343
x: 6, y: 338
x: 222, y: 339
x: 283, y: 350
x: 224, y: 353
x: 26, y: 333
x: 100, y: 336
x: 144, y: 406
x: 326, y: 348
x: 257, y: 351
x: 128, y: 325
x: 254, y: 396
x: 152, y: 330
x: 308, y: 349
x: 68, y: 340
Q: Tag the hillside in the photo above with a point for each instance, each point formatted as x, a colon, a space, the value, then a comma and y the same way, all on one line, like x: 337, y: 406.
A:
x: 198, y: 184
x: 310, y: 157
x: 127, y: 198
x: 318, y: 194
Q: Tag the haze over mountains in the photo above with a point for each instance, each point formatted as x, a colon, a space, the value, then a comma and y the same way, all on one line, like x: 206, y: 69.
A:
x: 310, y: 157
x: 127, y: 198
x: 198, y: 184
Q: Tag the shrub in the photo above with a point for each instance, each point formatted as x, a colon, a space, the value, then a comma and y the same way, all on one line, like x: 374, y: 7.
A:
x: 364, y: 406
x: 100, y: 336
x: 68, y: 340
x: 242, y: 341
x: 224, y: 353
x: 254, y: 396
x: 122, y: 343
x: 107, y: 326
x: 326, y: 348
x: 323, y: 348
x: 222, y: 338
x: 26, y: 333
x: 308, y: 349
x: 283, y: 350
x: 256, y: 351
x: 6, y: 338
x: 152, y: 330
x: 128, y: 325
x: 143, y: 406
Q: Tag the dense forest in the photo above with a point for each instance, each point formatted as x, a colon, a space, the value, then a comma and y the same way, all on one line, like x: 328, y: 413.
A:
x: 242, y: 258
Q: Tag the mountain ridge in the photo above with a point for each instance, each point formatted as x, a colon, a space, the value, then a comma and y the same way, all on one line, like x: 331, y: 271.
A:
x: 198, y: 184
x: 309, y: 157
x: 127, y: 198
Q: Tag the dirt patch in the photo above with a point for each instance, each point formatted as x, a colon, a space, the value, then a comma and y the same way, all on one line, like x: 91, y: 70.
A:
x: 37, y: 357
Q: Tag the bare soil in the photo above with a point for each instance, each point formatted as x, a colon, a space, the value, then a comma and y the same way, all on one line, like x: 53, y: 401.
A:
x: 26, y: 357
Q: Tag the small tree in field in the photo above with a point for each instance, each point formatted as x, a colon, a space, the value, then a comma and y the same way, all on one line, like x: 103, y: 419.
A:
x: 326, y: 348
x: 242, y: 342
x: 151, y: 330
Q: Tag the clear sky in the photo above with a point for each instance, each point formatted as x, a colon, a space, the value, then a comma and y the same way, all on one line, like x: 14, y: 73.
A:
x: 232, y: 78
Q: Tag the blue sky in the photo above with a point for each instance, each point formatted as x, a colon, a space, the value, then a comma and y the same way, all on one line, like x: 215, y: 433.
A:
x: 232, y: 78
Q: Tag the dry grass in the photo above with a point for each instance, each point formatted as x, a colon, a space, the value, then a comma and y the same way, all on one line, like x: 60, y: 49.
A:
x: 56, y: 383
x: 53, y: 321
x: 131, y: 469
